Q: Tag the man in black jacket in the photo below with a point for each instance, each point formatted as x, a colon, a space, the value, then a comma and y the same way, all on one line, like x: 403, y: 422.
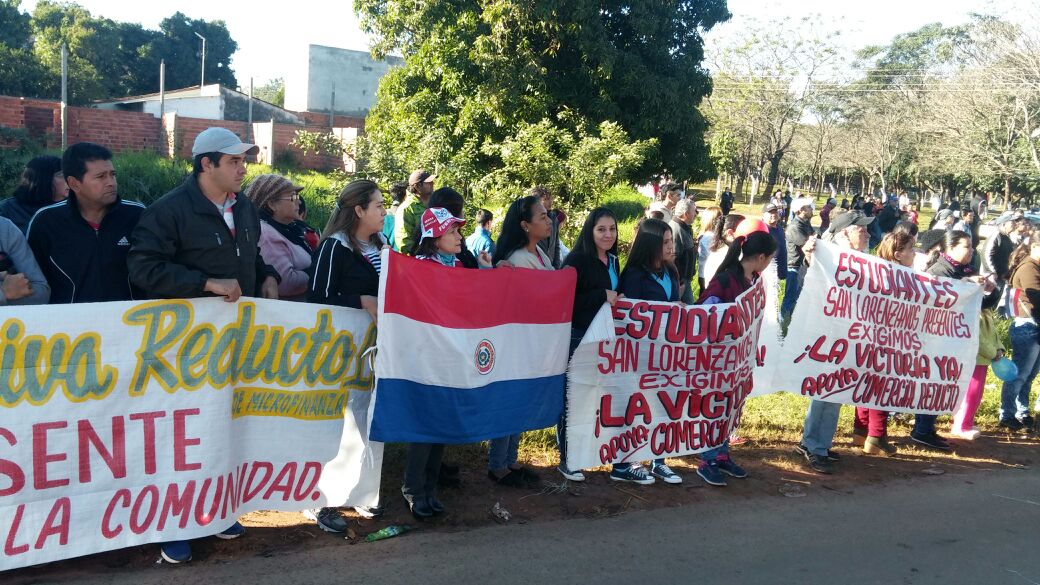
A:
x: 201, y: 239
x: 81, y: 243
x: 797, y: 234
x: 685, y: 245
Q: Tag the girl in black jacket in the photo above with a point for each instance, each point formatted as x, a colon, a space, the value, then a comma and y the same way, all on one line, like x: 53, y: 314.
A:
x: 346, y: 274
x: 650, y: 276
x: 594, y: 257
x: 346, y: 269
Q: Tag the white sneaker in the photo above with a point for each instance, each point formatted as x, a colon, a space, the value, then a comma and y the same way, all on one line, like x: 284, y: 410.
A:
x: 575, y: 475
x: 665, y: 474
x: 966, y: 435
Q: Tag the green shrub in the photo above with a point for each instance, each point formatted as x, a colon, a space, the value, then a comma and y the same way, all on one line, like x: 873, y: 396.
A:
x: 146, y: 176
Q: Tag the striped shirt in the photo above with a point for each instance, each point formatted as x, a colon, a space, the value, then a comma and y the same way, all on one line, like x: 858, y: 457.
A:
x: 371, y: 253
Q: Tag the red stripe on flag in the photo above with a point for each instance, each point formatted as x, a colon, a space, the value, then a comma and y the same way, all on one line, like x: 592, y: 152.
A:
x: 427, y: 292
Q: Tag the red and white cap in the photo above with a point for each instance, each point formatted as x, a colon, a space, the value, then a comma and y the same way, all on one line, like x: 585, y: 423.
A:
x: 436, y: 221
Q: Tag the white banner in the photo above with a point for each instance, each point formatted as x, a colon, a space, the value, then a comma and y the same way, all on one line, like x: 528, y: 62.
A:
x: 671, y: 382
x: 875, y: 334
x: 129, y: 423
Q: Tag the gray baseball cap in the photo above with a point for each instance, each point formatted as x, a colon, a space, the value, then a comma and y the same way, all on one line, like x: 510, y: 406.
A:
x: 223, y: 141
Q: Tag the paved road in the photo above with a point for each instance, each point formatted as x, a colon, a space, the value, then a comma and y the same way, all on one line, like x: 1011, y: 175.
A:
x: 978, y: 528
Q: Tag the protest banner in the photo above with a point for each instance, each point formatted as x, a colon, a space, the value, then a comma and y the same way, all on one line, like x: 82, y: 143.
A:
x: 469, y: 355
x: 672, y: 381
x: 876, y: 334
x: 135, y: 422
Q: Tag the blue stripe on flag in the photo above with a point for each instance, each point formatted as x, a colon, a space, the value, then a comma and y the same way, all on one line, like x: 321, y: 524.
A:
x: 410, y: 412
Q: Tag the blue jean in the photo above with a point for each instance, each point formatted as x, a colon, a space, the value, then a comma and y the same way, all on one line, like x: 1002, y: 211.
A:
x: 1025, y: 352
x: 713, y: 454
x: 502, y: 452
x: 821, y: 422
x: 791, y: 292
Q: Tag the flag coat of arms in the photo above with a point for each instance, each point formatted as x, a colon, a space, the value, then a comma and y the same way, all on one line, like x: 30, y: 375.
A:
x: 469, y: 355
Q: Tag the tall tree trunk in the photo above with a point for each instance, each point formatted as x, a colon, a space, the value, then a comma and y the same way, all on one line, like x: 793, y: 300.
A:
x: 774, y: 172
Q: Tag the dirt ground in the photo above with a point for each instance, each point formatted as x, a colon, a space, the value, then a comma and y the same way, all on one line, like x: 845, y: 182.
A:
x: 775, y: 472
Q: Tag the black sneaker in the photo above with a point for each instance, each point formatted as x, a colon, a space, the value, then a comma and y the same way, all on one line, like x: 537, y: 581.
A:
x: 816, y: 462
x: 419, y: 507
x: 1027, y: 422
x: 833, y: 455
x: 931, y: 440
x: 1011, y: 424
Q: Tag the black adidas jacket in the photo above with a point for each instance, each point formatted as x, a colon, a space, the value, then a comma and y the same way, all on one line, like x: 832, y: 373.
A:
x: 80, y: 264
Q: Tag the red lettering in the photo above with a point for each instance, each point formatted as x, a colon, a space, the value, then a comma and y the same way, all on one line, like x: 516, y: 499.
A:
x: 181, y: 442
x: 106, y: 520
x: 115, y: 459
x: 10, y: 468
x: 41, y: 458
x: 53, y: 525
x: 148, y: 422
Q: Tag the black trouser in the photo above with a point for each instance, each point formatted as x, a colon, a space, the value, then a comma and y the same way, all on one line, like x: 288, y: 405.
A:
x: 421, y: 470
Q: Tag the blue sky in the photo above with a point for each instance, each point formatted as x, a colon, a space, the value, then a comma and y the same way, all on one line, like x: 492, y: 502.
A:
x: 273, y: 38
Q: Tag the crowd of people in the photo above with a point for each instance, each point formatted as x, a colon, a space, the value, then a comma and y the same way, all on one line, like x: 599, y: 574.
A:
x: 68, y: 237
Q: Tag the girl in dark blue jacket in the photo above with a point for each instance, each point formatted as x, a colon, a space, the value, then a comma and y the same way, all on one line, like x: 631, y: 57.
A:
x: 649, y: 275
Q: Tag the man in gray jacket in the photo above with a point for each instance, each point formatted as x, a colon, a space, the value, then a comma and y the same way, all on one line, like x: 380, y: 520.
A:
x: 23, y: 282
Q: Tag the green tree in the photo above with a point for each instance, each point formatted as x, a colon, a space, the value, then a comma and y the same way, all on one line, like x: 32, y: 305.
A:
x: 477, y: 72
x: 183, y: 51
x: 272, y: 92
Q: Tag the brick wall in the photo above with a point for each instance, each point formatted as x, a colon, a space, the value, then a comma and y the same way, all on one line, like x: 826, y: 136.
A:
x: 123, y: 131
x: 320, y: 119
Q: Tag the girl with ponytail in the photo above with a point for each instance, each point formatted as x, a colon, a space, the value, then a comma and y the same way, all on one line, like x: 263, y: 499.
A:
x: 745, y: 260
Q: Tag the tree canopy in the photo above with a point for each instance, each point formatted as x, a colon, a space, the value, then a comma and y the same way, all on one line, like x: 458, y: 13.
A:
x: 107, y: 59
x: 480, y: 77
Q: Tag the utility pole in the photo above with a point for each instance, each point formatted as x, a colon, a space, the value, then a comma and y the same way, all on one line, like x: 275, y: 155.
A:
x: 162, y: 88
x: 64, y: 96
x: 203, y: 82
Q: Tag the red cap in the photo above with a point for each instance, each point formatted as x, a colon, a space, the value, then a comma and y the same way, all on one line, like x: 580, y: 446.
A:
x: 749, y: 226
x: 436, y: 221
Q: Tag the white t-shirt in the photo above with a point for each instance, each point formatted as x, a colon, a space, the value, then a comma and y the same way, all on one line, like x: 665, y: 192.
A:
x: 711, y: 265
x: 703, y: 250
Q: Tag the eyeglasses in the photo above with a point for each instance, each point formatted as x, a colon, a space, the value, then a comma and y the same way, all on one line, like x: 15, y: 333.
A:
x: 289, y: 198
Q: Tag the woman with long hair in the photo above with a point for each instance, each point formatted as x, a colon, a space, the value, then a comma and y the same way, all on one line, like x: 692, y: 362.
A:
x: 1024, y: 306
x: 705, y: 240
x: 42, y: 183
x: 526, y: 223
x: 722, y: 229
x: 746, y: 258
x: 594, y: 257
x: 283, y: 242
x: 347, y: 264
x: 649, y: 276
x: 346, y: 274
x: 870, y: 427
x: 954, y: 261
